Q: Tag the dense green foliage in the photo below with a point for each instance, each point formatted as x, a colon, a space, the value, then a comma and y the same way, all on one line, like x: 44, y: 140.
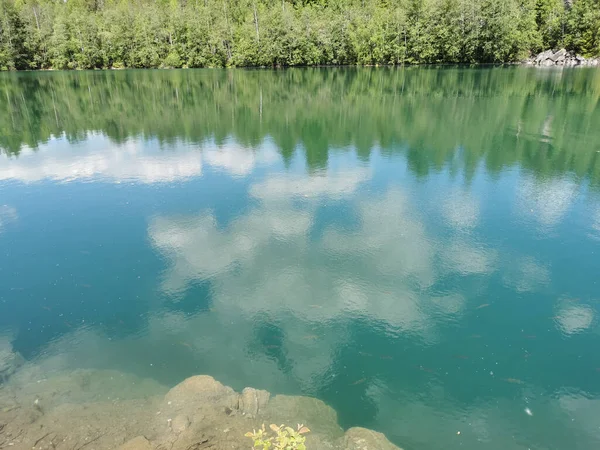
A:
x: 540, y: 120
x: 85, y: 34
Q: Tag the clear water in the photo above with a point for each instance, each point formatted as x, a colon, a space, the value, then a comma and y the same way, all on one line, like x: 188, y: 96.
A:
x: 418, y: 248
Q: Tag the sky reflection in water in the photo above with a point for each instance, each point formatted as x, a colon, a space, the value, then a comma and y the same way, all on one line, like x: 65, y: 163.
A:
x: 419, y: 306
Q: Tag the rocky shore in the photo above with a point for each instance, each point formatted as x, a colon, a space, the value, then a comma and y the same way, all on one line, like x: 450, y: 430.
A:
x: 199, y: 413
x: 561, y: 57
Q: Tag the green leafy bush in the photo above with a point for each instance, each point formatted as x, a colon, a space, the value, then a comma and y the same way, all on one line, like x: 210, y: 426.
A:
x: 281, y: 438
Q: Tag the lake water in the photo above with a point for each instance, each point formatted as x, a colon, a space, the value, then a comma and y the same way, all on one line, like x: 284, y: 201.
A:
x: 418, y: 248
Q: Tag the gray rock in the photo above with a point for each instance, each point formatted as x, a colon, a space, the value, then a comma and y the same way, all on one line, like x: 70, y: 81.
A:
x: 560, y: 55
x: 539, y: 59
x: 363, y: 439
x: 252, y: 401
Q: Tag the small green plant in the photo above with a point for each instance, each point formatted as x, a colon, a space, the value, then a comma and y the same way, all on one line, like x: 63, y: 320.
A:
x: 283, y: 438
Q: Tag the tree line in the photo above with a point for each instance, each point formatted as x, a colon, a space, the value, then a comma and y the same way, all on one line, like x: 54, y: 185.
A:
x: 100, y: 34
x: 541, y: 121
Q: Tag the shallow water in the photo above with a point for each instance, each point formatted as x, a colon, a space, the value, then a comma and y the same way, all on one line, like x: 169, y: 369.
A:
x: 418, y: 248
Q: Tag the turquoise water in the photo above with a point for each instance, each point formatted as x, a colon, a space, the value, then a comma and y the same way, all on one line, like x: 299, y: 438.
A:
x: 418, y: 248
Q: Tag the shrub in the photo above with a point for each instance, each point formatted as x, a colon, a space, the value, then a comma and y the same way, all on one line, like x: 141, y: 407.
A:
x: 283, y: 438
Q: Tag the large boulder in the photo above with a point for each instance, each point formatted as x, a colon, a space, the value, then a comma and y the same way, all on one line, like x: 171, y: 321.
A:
x: 196, y: 406
x: 201, y: 390
x: 363, y: 439
x: 542, y: 57
x: 559, y: 56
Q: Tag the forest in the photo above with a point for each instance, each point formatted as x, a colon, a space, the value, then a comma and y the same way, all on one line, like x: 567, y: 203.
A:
x: 103, y: 34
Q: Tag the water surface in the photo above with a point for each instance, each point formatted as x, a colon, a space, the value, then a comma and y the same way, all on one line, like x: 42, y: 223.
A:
x: 418, y: 248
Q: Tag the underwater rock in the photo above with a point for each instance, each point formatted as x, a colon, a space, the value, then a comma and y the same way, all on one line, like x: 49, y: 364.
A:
x: 363, y: 439
x: 138, y: 443
x: 10, y: 361
x: 317, y: 415
x: 252, y: 401
x: 201, y: 389
x: 180, y: 423
x: 198, y: 413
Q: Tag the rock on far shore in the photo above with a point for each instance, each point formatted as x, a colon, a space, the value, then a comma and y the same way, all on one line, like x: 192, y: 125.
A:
x: 561, y: 57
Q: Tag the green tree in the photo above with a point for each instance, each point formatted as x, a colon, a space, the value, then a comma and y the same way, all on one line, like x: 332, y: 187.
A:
x: 13, y: 51
x: 551, y: 22
x: 583, y: 25
x: 87, y: 34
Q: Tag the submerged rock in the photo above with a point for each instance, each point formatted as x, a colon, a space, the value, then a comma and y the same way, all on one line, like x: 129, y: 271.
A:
x: 138, y: 443
x: 10, y: 361
x: 317, y: 415
x: 201, y: 389
x: 198, y: 413
x: 252, y: 401
x: 363, y: 439
x: 180, y: 423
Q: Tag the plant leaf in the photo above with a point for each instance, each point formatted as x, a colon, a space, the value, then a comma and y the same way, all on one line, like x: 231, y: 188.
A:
x: 274, y: 427
x: 303, y: 430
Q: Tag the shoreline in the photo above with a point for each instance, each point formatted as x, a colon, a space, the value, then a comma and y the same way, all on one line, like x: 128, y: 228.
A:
x: 548, y: 58
x: 407, y: 66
